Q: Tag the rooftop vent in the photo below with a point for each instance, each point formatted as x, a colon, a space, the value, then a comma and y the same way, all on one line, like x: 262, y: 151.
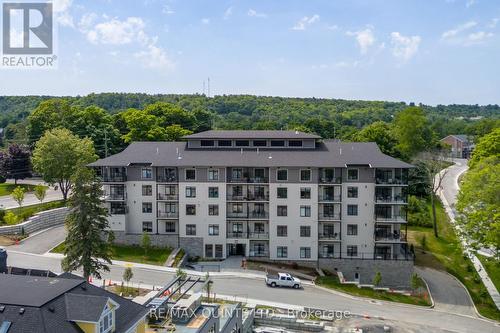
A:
x: 2, y: 307
x: 21, y: 311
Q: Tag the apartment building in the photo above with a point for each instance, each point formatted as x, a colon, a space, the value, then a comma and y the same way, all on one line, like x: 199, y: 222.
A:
x: 272, y: 195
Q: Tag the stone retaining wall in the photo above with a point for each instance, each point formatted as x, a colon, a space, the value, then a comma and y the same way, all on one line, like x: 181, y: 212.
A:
x: 156, y: 240
x: 40, y: 221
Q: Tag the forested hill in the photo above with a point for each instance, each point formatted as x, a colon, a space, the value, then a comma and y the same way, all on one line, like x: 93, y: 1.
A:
x: 245, y: 111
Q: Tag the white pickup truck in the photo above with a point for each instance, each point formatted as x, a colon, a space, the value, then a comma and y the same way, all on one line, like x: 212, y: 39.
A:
x: 283, y: 280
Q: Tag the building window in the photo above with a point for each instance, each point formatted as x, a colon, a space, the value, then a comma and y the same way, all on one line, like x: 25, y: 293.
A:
x: 305, y: 211
x: 213, y: 210
x: 295, y: 143
x: 282, y: 192
x: 305, y: 193
x: 190, y: 174
x: 352, y: 210
x: 352, y: 174
x: 259, y: 175
x: 207, y: 143
x: 147, y: 207
x: 259, y: 228
x: 213, y: 230
x: 305, y: 175
x: 352, y: 250
x: 352, y: 229
x: 146, y: 173
x: 352, y: 192
x: 282, y: 230
x: 213, y: 192
x: 237, y: 191
x: 169, y: 226
x: 209, y: 251
x: 224, y: 143
x: 237, y: 174
x: 242, y: 143
x: 106, y: 321
x: 278, y: 143
x: 305, y: 231
x: 218, y: 250
x: 190, y: 209
x: 282, y: 175
x: 191, y: 229
x: 259, y: 143
x: 190, y: 192
x: 282, y: 252
x: 237, y: 208
x: 282, y: 211
x: 147, y: 190
x: 305, y: 252
x: 147, y: 226
x: 213, y: 174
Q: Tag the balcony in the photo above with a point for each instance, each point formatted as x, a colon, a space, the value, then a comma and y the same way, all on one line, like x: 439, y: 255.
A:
x: 258, y: 235
x: 118, y: 209
x: 327, y: 255
x: 391, y: 200
x: 167, y: 179
x: 258, y: 254
x: 330, y: 180
x: 116, y: 178
x: 329, y: 216
x: 167, y: 215
x: 250, y: 180
x: 237, y: 235
x: 167, y: 197
x: 330, y: 197
x: 248, y: 197
x: 390, y: 219
x: 120, y: 196
x: 248, y: 215
x: 390, y: 237
x: 329, y: 236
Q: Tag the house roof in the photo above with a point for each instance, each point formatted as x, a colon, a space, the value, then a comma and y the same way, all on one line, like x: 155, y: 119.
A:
x: 329, y: 153
x: 50, y: 313
x: 242, y: 134
x: 459, y: 137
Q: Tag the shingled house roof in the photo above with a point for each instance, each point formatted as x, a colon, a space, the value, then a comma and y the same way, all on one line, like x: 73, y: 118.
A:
x: 47, y: 305
x: 241, y: 134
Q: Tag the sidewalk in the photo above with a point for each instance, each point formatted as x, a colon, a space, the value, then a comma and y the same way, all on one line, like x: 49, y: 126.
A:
x: 495, y: 295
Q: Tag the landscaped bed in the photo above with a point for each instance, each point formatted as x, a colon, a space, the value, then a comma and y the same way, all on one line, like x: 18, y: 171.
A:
x: 446, y: 253
x: 420, y: 297
x: 154, y: 256
x: 7, y: 188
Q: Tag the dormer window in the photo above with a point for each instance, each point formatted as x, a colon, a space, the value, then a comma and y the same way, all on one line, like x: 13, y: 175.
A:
x: 278, y: 143
x: 295, y: 143
x: 242, y: 143
x: 106, y: 321
x: 259, y: 143
x: 207, y: 143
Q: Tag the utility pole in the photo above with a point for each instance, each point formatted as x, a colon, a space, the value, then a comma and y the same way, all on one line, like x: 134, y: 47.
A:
x: 208, y: 87
x: 105, y: 143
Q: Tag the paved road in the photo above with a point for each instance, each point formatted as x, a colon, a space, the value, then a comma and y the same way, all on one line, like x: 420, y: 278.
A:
x: 41, y: 242
x: 449, y: 184
x: 309, y: 296
x: 6, y: 201
x: 449, y: 294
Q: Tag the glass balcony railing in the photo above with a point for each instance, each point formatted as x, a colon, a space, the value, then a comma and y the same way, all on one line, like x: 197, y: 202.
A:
x: 163, y: 196
x: 329, y: 197
x: 329, y: 236
x: 329, y: 216
x: 168, y: 215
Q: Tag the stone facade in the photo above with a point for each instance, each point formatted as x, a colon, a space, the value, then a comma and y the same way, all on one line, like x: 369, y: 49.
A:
x: 156, y: 240
x: 42, y: 220
x: 395, y: 273
x: 192, y: 245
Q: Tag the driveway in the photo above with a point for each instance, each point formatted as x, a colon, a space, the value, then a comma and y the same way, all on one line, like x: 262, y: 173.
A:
x: 449, y: 294
x: 41, y: 242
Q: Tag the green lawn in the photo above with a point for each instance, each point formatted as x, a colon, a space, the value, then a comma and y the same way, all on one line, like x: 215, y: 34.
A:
x: 155, y: 255
x: 26, y: 212
x: 492, y: 266
x: 7, y: 188
x: 445, y: 253
x: 332, y: 282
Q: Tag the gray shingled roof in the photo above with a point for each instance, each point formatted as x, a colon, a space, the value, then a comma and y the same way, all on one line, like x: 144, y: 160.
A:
x: 328, y: 154
x: 241, y: 134
x: 85, y: 307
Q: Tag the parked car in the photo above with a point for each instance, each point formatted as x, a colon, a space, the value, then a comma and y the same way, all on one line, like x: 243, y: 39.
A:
x: 283, y: 280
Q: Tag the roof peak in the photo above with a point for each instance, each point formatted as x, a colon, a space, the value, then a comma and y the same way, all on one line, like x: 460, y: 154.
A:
x: 252, y: 134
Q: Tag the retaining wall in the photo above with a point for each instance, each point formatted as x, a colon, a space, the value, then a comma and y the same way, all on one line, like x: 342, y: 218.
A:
x: 40, y: 221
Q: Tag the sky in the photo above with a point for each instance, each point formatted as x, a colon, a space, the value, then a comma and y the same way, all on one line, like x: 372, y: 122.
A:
x: 422, y: 51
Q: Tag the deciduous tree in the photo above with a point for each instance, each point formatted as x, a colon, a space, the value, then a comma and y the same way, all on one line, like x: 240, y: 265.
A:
x: 18, y: 195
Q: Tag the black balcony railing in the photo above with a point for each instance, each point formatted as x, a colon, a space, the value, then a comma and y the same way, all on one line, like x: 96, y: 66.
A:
x: 251, y: 180
x: 163, y: 196
x: 248, y: 215
x: 329, y: 236
x: 237, y: 234
x: 167, y: 179
x: 327, y: 216
x: 391, y: 181
x: 329, y: 197
x: 248, y: 197
x: 258, y: 235
x: 168, y: 215
x: 118, y: 210
x: 385, y: 236
x: 258, y: 254
x: 330, y: 180
x: 389, y: 199
x: 390, y: 218
x: 114, y: 178
x: 115, y: 196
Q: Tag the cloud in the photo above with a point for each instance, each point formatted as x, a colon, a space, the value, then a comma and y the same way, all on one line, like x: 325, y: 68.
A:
x: 332, y: 27
x: 228, y: 12
x: 167, y: 10
x: 455, y: 31
x: 253, y: 13
x: 477, y: 38
x: 154, y: 57
x: 61, y: 12
x: 493, y: 23
x: 304, y: 22
x: 404, y: 47
x: 470, y: 3
x: 205, y: 20
x: 365, y: 38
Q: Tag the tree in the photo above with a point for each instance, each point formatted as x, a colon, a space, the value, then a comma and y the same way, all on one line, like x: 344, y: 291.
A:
x: 433, y: 162
x: 10, y: 218
x: 478, y: 202
x: 488, y: 145
x: 415, y: 281
x: 411, y: 129
x: 48, y: 115
x: 175, y: 132
x: 142, y: 127
x: 18, y: 195
x: 128, y: 275
x: 208, y: 285
x: 145, y: 243
x: 59, y: 154
x: 18, y: 162
x: 181, y: 274
x: 88, y: 229
x: 40, y: 192
x: 380, y: 133
x: 377, y: 279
